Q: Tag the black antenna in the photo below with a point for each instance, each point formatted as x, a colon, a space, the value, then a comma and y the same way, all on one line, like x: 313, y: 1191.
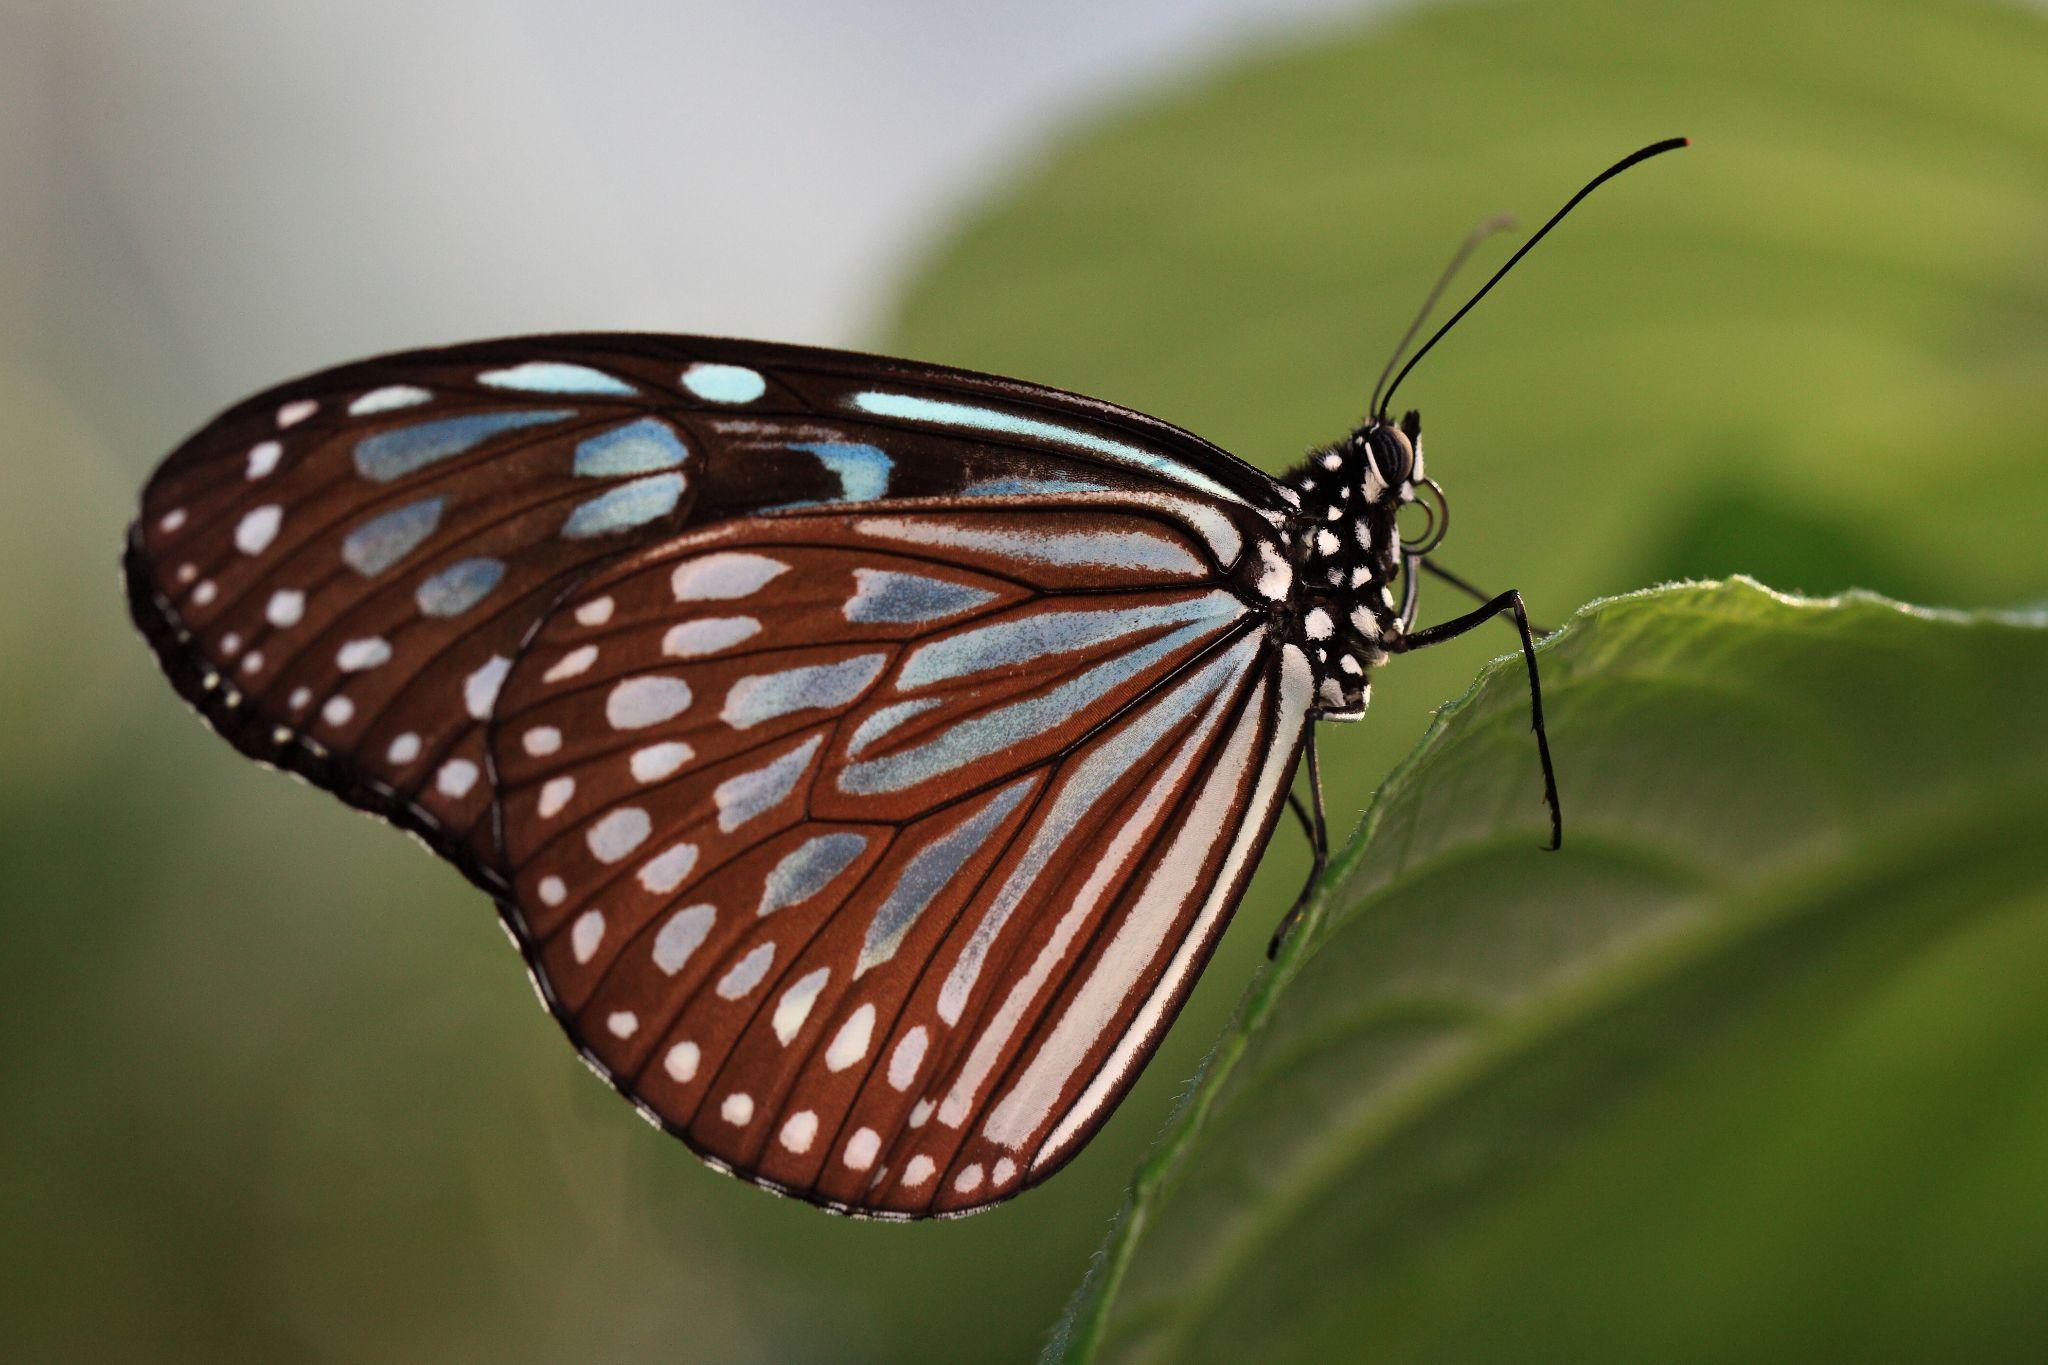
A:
x: 1499, y: 222
x: 1670, y: 144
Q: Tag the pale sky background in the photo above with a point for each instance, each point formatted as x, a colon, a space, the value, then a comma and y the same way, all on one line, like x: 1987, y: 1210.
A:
x: 203, y: 198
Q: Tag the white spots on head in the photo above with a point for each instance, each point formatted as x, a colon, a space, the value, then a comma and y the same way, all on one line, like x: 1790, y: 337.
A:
x: 862, y: 1149
x: 595, y: 612
x: 1276, y: 577
x: 1361, y: 575
x: 737, y: 1109
x: 586, y: 934
x: 1332, y: 460
x: 480, y: 689
x: 918, y: 1171
x: 921, y: 1113
x: 296, y: 411
x: 204, y: 594
x: 681, y: 936
x: 850, y: 1044
x: 969, y: 1179
x: 576, y: 662
x: 171, y: 520
x: 681, y: 1063
x: 455, y: 778
x: 618, y: 833
x: 1335, y: 512
x: 257, y: 528
x: 657, y: 761
x: 724, y: 576
x: 650, y: 699
x: 359, y: 656
x: 552, y: 890
x: 724, y: 383
x: 798, y: 1133
x: 668, y: 869
x: 1005, y: 1168
x: 1349, y: 663
x: 1318, y: 624
x: 907, y: 1058
x: 1327, y: 543
x: 541, y: 740
x: 622, y: 1023
x: 747, y: 972
x: 263, y: 458
x: 338, y: 711
x: 388, y: 399
x: 555, y: 794
x: 284, y: 609
x: 795, y: 1005
x: 694, y: 638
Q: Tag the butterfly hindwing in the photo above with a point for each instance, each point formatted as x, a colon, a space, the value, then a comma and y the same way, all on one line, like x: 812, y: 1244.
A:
x: 869, y: 850
x: 339, y: 573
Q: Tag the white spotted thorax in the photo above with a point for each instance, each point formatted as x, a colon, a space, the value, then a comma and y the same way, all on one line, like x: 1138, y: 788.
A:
x: 1345, y: 553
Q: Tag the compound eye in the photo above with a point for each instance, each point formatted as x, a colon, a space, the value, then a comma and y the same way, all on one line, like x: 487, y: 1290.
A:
x: 1392, y: 456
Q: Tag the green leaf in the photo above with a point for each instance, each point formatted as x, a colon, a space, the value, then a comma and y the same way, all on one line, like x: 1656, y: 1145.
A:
x: 1756, y: 1067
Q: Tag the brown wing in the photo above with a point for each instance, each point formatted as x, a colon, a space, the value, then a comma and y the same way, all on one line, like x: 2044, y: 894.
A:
x: 871, y: 851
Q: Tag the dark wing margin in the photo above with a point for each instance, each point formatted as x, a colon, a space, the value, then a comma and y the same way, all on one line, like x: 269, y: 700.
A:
x: 871, y: 851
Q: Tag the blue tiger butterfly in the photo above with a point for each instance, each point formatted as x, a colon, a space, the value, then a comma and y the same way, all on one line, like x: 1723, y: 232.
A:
x: 865, y: 755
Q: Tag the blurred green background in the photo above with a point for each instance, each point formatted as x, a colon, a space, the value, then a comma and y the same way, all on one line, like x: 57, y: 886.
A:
x: 276, y: 1089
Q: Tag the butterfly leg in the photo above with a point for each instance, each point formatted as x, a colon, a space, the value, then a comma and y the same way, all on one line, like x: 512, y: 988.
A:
x: 1318, y: 832
x: 1430, y: 566
x: 1451, y: 630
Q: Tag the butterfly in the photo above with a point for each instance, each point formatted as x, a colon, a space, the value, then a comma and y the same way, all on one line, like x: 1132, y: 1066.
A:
x: 865, y: 755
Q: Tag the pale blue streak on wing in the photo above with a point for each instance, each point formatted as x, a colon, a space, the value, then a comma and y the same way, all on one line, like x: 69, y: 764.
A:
x: 724, y: 383
x: 1079, y: 793
x: 555, y: 376
x: 742, y: 797
x: 909, y: 407
x: 807, y: 871
x: 1106, y: 549
x: 628, y: 505
x: 405, y: 450
x: 883, y: 721
x: 862, y: 470
x: 764, y: 696
x: 640, y: 447
x: 382, y: 541
x: 928, y: 873
x: 1017, y: 723
x: 1019, y: 488
x: 897, y: 598
x: 1037, y: 632
x: 459, y: 587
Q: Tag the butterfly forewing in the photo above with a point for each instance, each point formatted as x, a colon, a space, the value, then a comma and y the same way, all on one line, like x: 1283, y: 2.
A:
x: 340, y: 571
x: 851, y: 843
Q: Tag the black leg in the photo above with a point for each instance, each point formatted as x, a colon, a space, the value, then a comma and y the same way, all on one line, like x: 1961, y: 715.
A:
x: 1475, y: 593
x: 1451, y: 630
x: 1319, y: 845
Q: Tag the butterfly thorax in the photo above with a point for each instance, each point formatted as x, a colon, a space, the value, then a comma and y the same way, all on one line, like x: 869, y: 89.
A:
x: 1346, y: 553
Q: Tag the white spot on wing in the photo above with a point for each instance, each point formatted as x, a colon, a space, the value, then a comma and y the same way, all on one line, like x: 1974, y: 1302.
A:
x: 723, y: 577
x: 681, y: 936
x: 358, y: 656
x: 657, y: 761
x: 667, y: 870
x: 747, y: 972
x: 480, y: 689
x: 586, y: 934
x: 850, y: 1044
x: 907, y: 1058
x: 622, y: 1023
x: 295, y: 412
x: 618, y: 833
x: 737, y: 1109
x: 555, y: 793
x: 795, y: 1005
x: 799, y: 1131
x: 257, y: 528
x: 595, y: 612
x: 388, y: 398
x: 284, y: 608
x: 739, y: 799
x: 455, y: 778
x: 862, y: 1148
x: 694, y: 638
x: 263, y: 458
x: 918, y: 1171
x: 575, y: 662
x: 681, y: 1063
x: 647, y: 700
